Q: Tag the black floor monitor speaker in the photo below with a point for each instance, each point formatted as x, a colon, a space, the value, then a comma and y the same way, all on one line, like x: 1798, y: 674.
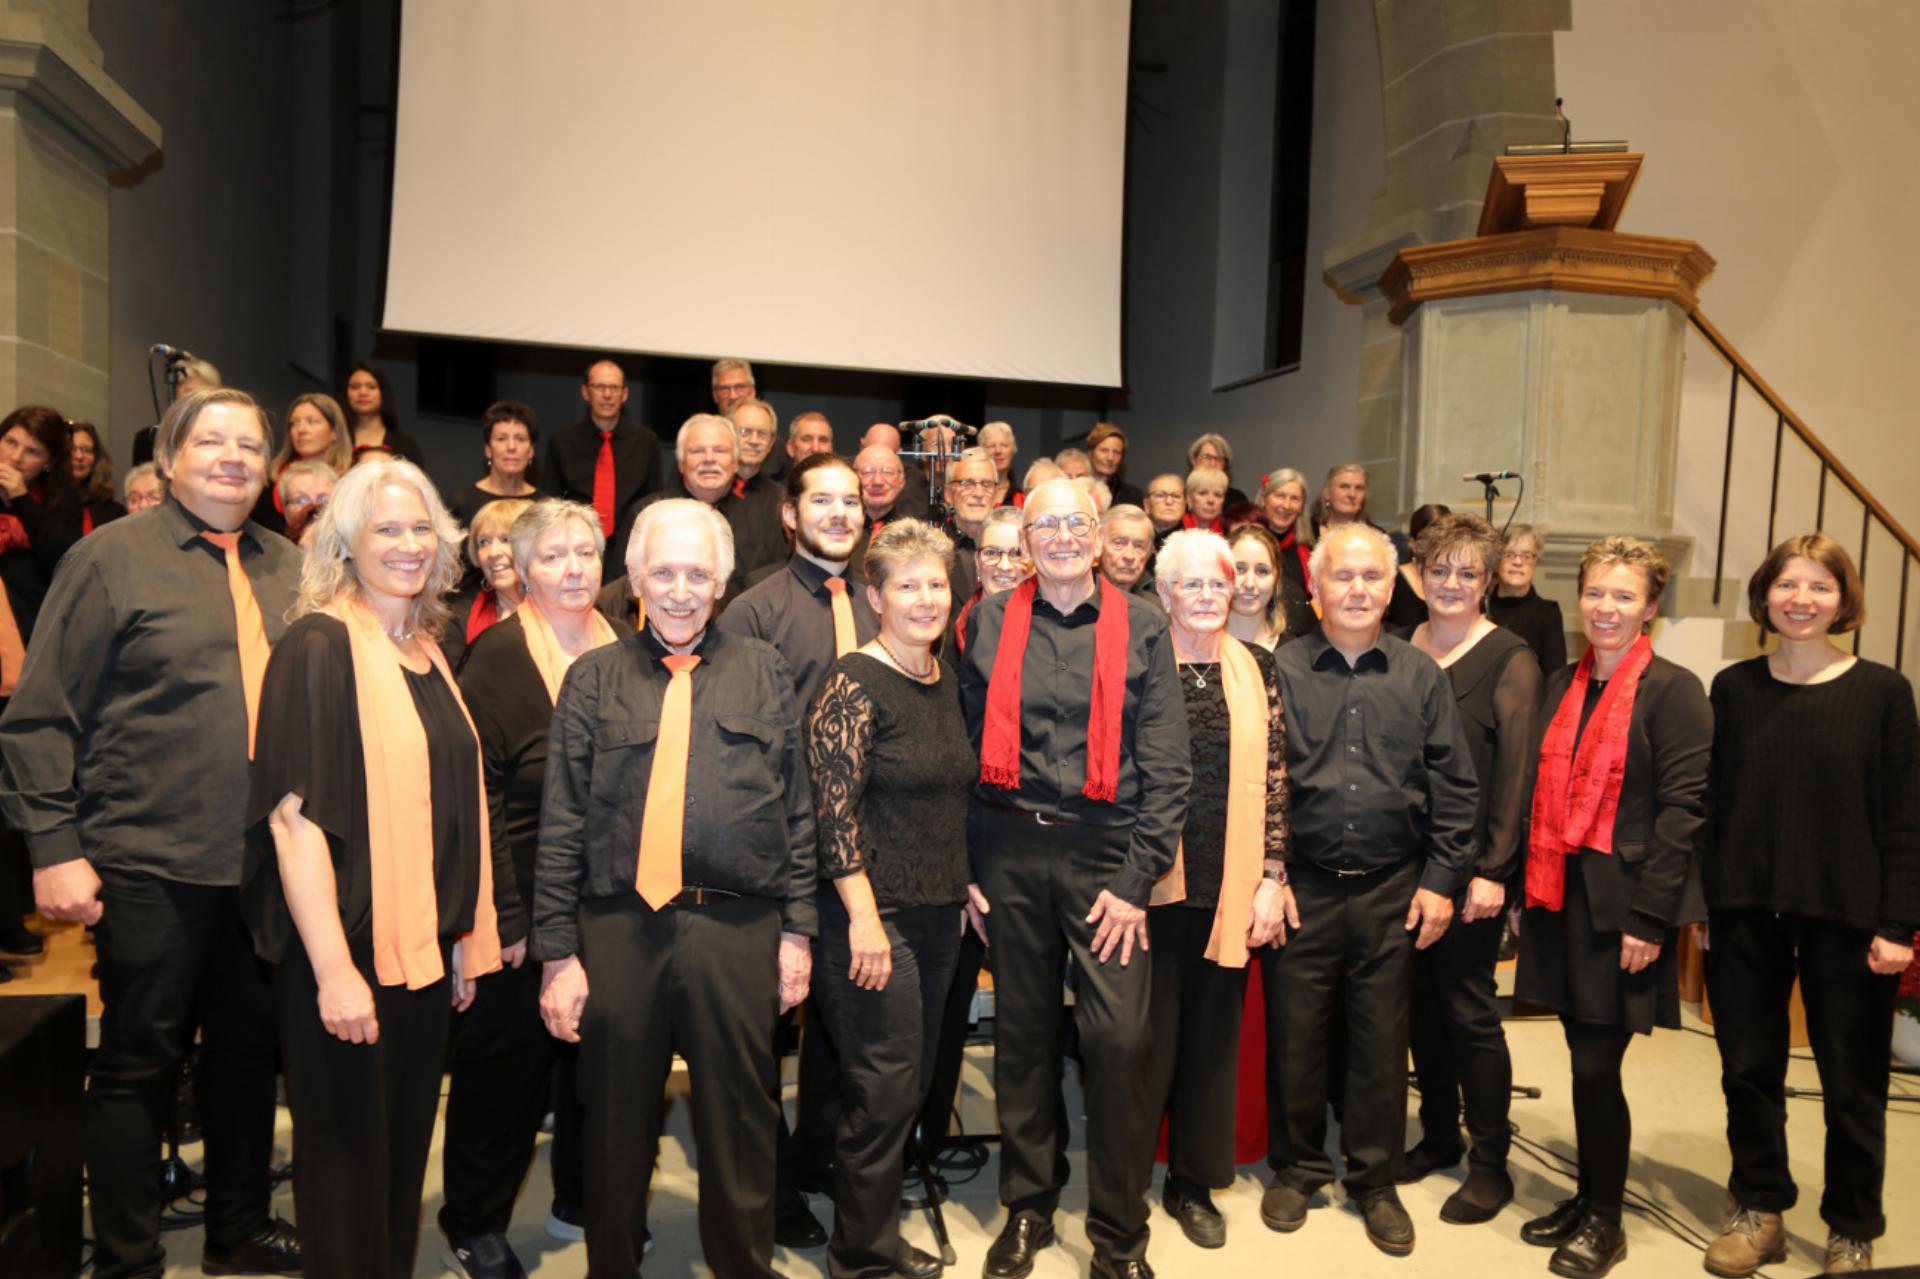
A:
x: 43, y: 1042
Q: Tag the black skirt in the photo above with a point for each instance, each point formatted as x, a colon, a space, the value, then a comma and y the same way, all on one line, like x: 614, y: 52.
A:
x: 1573, y: 968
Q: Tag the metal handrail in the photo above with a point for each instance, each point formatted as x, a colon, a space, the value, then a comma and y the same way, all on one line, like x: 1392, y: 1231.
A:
x: 1830, y: 467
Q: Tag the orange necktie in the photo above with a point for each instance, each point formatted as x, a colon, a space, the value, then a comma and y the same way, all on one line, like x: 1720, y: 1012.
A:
x: 662, y: 825
x: 249, y: 628
x: 845, y: 639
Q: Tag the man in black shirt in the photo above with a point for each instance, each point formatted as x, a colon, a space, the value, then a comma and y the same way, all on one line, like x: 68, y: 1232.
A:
x: 807, y: 434
x: 757, y: 481
x: 613, y: 487
x: 709, y: 459
x: 883, y: 485
x: 970, y: 485
x: 1383, y: 796
x: 1085, y: 765
x: 1126, y: 549
x: 704, y: 972
x: 126, y: 753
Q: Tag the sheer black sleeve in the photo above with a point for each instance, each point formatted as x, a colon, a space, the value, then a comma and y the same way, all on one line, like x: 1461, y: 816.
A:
x: 1279, y: 797
x: 1516, y: 705
x: 839, y: 755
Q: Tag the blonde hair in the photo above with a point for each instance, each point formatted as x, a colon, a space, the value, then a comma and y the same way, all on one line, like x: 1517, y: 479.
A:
x: 1208, y: 477
x: 1633, y: 552
x: 902, y: 542
x: 329, y: 573
x: 497, y: 516
x: 732, y: 364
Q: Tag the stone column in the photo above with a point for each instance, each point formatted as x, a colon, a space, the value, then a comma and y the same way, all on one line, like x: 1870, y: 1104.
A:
x: 64, y: 125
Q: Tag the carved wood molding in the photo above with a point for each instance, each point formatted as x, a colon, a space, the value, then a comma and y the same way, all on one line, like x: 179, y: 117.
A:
x: 1571, y: 258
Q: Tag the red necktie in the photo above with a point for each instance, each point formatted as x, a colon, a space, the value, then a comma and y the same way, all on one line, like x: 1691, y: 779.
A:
x: 603, y: 484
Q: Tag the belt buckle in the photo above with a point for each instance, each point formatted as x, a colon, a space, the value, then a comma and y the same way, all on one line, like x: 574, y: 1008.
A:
x: 1347, y: 874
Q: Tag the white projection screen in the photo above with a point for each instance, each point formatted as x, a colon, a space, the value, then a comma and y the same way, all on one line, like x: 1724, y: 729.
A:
x: 923, y: 186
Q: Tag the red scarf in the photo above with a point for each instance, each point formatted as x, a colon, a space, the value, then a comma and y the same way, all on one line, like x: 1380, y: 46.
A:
x: 960, y: 622
x: 1000, y: 736
x: 1578, y: 791
x: 1292, y: 542
x: 484, y: 613
x: 1216, y: 525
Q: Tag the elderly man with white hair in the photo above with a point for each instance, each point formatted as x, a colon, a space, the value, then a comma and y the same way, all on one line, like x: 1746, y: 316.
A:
x: 1073, y: 699
x: 674, y: 893
x: 707, y: 456
x: 1383, y: 795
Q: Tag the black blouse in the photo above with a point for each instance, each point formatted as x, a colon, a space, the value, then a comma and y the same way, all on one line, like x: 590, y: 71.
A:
x: 308, y: 744
x: 1204, y: 841
x: 1535, y: 619
x: 893, y: 770
x: 1497, y: 684
x: 464, y: 504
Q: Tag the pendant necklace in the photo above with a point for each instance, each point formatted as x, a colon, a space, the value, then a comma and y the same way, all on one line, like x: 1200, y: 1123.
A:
x: 922, y: 677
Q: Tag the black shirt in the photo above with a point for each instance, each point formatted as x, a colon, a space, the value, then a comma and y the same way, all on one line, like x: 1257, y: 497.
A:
x: 464, y: 504
x: 1056, y: 690
x: 1497, y: 686
x: 309, y: 745
x: 574, y: 453
x: 1380, y: 768
x: 1814, y: 798
x: 892, y: 771
x: 25, y: 572
x: 1535, y: 619
x: 749, y: 814
x: 757, y: 540
x: 793, y: 611
x: 1204, y: 842
x: 126, y: 742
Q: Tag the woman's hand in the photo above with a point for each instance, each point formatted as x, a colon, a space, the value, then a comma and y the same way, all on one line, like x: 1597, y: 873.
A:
x: 872, y: 952
x: 1888, y: 958
x: 1486, y: 898
x: 563, y: 997
x: 346, y: 1008
x: 463, y: 985
x: 10, y: 482
x: 1635, y: 954
x: 1273, y: 912
x: 975, y: 912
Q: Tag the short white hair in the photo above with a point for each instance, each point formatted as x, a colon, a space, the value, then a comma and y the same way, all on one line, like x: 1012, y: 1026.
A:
x: 999, y: 428
x: 1042, y: 470
x: 705, y: 419
x: 1123, y: 513
x: 1189, y: 541
x: 676, y: 510
x: 1318, y: 560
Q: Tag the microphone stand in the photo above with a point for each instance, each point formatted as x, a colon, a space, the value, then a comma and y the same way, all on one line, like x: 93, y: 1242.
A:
x: 940, y: 512
x: 1492, y: 495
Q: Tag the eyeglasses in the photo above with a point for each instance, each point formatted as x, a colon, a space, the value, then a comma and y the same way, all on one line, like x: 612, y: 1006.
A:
x: 755, y: 433
x: 1079, y: 524
x: 1194, y: 587
x: 1521, y: 557
x: 998, y: 555
x: 1441, y: 573
x: 1168, y: 496
x: 974, y: 486
x: 301, y: 501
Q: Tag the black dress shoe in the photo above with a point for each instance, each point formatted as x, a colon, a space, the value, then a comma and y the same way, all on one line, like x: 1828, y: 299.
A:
x: 1480, y: 1197
x: 1557, y: 1226
x: 274, y: 1251
x: 914, y: 1263
x: 1424, y: 1160
x: 1389, y: 1228
x: 21, y: 940
x: 795, y: 1226
x: 1284, y: 1206
x: 1594, y: 1249
x: 1193, y: 1208
x: 1112, y: 1268
x: 1011, y: 1256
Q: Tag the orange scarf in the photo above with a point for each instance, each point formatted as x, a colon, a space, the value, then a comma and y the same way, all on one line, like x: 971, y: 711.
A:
x: 406, y: 913
x: 1247, y: 711
x: 544, y: 647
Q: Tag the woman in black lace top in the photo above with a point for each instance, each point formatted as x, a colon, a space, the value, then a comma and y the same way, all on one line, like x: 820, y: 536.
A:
x: 1227, y: 891
x: 892, y: 769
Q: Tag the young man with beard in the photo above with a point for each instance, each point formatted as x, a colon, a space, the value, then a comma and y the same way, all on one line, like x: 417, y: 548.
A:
x: 812, y: 614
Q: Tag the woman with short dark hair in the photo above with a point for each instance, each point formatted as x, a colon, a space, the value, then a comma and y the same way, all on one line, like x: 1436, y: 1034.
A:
x: 1516, y: 605
x: 1812, y: 870
x: 509, y: 432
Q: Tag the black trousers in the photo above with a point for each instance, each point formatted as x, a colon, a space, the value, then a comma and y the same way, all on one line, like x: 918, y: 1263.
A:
x: 173, y: 956
x: 888, y: 1036
x: 1353, y: 953
x: 362, y: 1120
x: 1751, y: 965
x: 803, y: 1151
x: 1602, y: 1123
x: 1459, y: 1048
x: 1195, y: 1028
x: 702, y: 981
x: 1040, y: 882
x: 949, y: 1053
x: 565, y: 1157
x: 498, y: 1087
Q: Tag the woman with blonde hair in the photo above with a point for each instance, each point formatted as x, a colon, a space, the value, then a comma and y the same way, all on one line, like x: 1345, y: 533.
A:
x: 375, y: 908
x: 492, y: 590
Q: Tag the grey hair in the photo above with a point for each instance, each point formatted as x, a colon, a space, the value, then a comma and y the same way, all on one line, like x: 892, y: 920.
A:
x: 177, y: 425
x: 1001, y: 516
x: 755, y: 402
x: 1064, y: 456
x: 729, y: 364
x: 705, y: 419
x: 1124, y: 511
x: 549, y: 513
x: 1218, y: 441
x: 1097, y: 490
x: 1042, y: 470
x: 1515, y: 532
x: 1285, y: 475
x: 329, y: 573
x: 296, y: 470
x: 677, y: 509
x: 141, y: 472
x: 1318, y: 560
x: 902, y: 542
x: 1000, y: 428
x: 497, y: 516
x: 1189, y: 541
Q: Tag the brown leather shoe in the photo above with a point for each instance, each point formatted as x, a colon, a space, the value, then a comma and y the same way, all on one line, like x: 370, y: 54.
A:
x: 1847, y: 1256
x: 1750, y: 1239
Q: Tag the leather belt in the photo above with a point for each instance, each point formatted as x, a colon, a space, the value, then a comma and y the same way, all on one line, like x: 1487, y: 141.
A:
x: 1041, y: 819
x: 700, y: 895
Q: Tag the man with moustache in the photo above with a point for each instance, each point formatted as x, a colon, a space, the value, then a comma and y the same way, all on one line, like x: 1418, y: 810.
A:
x: 971, y: 482
x: 125, y: 753
x: 674, y: 894
x: 1126, y: 549
x: 1384, y: 795
x: 811, y: 614
x: 708, y: 454
x: 1072, y: 696
x: 606, y: 460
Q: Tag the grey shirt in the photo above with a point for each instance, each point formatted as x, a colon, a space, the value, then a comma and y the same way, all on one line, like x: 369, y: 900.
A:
x: 126, y: 742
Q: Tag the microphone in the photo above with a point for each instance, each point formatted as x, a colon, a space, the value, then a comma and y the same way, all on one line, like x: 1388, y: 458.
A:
x: 1488, y: 477
x: 172, y: 354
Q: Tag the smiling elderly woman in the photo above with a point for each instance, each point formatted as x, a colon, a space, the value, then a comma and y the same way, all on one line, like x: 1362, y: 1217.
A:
x: 361, y: 892
x: 497, y: 590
